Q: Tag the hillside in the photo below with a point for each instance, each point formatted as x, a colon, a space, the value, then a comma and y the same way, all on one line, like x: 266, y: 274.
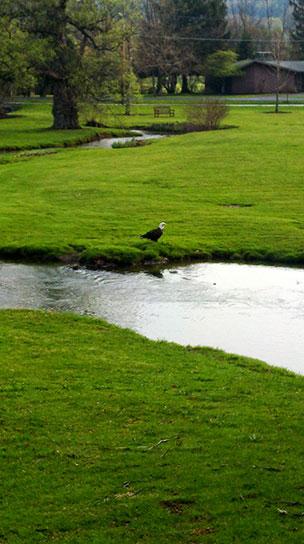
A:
x: 257, y: 9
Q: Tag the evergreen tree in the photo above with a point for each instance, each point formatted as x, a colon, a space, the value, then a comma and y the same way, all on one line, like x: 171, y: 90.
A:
x: 246, y: 49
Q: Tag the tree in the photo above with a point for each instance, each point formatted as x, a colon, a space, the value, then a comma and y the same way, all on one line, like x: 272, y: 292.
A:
x: 298, y: 30
x: 71, y: 44
x: 220, y: 65
x: 14, y: 69
x: 246, y: 11
x: 129, y: 87
x: 278, y: 44
x: 247, y: 27
x: 158, y: 52
x: 198, y: 24
x: 176, y: 37
x: 246, y: 47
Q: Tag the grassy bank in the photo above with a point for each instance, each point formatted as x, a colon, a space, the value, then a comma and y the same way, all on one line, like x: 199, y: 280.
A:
x: 229, y: 194
x: 108, y: 437
x: 30, y: 127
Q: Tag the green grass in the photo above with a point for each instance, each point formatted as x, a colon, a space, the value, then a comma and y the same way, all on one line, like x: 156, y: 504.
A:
x: 30, y: 127
x: 107, y: 437
x: 232, y: 194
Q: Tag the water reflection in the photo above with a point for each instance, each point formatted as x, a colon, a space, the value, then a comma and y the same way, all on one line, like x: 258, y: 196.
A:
x: 251, y: 310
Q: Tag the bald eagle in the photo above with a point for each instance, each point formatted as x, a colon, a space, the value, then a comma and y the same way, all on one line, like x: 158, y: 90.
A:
x: 154, y: 234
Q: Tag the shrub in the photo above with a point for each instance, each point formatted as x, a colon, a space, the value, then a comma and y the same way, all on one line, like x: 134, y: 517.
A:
x: 207, y: 116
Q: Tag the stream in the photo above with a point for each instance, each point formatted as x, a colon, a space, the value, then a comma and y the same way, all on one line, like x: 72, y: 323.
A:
x: 256, y: 311
x: 106, y: 143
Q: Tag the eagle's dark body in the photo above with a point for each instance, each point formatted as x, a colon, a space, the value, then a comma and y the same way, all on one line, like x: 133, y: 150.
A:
x: 154, y: 234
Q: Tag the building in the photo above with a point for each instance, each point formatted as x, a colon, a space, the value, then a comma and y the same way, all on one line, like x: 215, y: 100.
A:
x: 261, y: 76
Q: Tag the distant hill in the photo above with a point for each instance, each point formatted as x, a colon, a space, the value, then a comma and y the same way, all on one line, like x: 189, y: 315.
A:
x: 256, y: 8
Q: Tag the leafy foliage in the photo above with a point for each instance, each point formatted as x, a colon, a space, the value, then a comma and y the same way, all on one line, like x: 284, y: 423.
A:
x: 74, y: 44
x: 14, y: 65
x: 220, y: 65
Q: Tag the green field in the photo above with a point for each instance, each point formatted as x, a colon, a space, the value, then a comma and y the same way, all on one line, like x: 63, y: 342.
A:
x: 232, y: 194
x: 30, y: 127
x: 107, y: 437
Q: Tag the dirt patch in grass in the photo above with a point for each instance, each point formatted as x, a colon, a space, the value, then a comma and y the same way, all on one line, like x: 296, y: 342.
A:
x: 176, y: 506
x: 236, y: 205
x: 203, y: 531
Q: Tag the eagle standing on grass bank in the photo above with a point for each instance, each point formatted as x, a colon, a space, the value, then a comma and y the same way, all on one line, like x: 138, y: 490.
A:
x: 154, y: 234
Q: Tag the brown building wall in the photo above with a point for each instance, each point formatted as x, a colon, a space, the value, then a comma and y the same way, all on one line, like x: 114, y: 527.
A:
x: 259, y: 78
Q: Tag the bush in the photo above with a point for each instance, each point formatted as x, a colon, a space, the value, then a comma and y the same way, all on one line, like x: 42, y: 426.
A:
x: 207, y: 116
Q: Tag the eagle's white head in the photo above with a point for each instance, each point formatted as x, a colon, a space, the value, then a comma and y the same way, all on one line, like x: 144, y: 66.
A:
x: 162, y: 225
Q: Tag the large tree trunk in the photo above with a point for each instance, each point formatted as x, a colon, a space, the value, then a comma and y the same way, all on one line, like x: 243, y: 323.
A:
x: 171, y: 83
x: 185, y: 88
x: 2, y: 109
x: 65, y: 111
x: 159, y: 85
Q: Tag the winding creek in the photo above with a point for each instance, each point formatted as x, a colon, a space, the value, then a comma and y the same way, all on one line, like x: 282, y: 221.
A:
x: 256, y: 311
x: 107, y: 143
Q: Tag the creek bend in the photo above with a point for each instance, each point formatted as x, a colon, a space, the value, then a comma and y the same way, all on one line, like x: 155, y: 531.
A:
x: 256, y: 311
x: 137, y: 135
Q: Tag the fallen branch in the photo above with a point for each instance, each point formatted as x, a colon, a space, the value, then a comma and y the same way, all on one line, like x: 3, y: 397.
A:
x: 163, y: 441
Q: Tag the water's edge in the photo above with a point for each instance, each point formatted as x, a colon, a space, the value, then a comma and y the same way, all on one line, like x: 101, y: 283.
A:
x: 255, y: 311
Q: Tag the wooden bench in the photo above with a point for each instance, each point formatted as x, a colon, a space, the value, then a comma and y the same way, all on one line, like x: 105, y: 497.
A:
x: 163, y: 110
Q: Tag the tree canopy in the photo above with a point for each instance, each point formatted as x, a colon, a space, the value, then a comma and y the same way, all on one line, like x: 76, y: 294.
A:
x: 14, y: 65
x: 177, y: 35
x: 73, y: 43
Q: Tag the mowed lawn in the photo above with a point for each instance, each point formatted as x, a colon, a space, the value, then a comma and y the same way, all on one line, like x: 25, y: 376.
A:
x: 30, y: 126
x: 107, y: 437
x: 234, y: 193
